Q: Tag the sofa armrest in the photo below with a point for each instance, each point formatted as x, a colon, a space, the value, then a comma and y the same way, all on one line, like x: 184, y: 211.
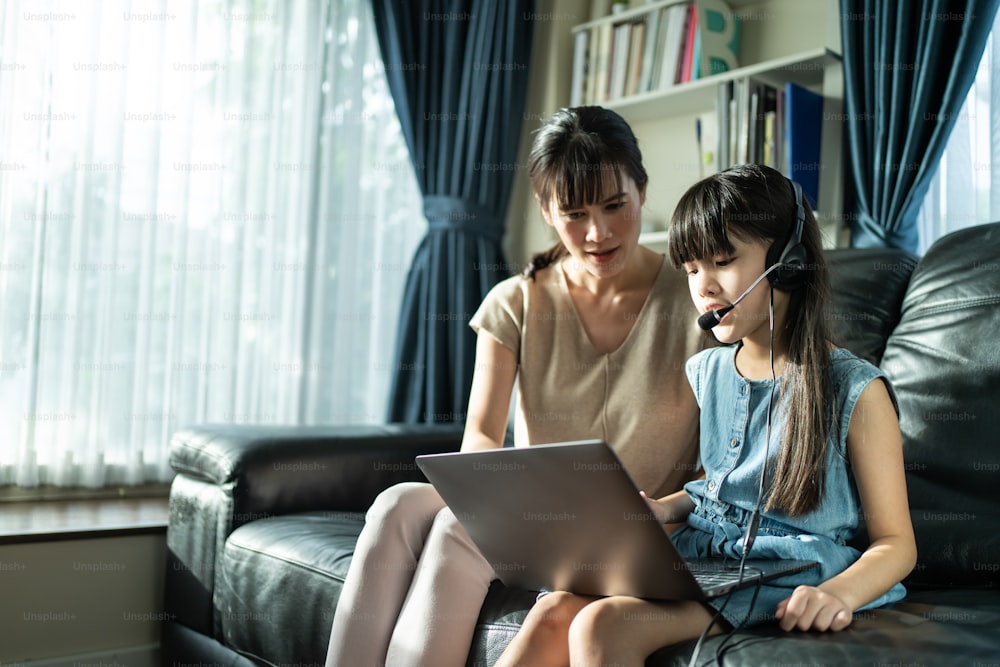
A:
x: 229, y: 475
x: 284, y: 469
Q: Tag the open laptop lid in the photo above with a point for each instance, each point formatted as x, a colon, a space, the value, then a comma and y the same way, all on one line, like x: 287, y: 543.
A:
x: 561, y: 517
x: 566, y: 516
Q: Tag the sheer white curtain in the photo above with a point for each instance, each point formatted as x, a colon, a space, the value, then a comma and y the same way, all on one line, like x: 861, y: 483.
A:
x: 206, y: 214
x: 966, y: 189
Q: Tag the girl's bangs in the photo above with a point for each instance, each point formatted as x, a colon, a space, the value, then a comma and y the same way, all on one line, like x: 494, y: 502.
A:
x: 697, y: 229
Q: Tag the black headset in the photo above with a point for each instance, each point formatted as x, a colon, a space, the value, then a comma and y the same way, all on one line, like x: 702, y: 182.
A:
x: 791, y: 257
x: 790, y: 275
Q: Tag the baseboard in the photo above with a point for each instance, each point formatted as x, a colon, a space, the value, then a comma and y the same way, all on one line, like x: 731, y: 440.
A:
x: 133, y: 656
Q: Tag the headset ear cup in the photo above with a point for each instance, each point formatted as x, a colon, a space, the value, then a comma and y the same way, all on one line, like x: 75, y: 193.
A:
x: 791, y: 275
x: 791, y: 254
x: 773, y: 253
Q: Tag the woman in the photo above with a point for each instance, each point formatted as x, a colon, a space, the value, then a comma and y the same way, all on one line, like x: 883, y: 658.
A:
x: 594, y: 334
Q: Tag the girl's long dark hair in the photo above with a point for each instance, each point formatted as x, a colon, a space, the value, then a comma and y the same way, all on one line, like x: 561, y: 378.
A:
x: 575, y: 153
x: 757, y: 203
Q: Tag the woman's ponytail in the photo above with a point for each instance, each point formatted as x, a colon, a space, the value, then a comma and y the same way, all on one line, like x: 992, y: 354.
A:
x: 544, y: 259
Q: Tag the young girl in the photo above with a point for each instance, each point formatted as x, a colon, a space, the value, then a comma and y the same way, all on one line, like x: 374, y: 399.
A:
x: 835, y: 446
x: 594, y: 336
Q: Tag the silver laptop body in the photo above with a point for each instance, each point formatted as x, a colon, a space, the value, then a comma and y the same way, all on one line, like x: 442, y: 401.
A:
x: 567, y: 516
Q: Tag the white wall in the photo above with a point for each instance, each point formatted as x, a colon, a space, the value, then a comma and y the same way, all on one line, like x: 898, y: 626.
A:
x: 89, y: 597
x: 548, y: 91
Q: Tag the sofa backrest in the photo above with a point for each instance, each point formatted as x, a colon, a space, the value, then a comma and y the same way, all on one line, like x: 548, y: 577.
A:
x: 943, y: 359
x: 867, y: 292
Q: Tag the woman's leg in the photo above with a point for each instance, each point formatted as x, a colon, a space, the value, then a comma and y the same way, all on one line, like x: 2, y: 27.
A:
x: 380, y: 575
x: 439, y: 616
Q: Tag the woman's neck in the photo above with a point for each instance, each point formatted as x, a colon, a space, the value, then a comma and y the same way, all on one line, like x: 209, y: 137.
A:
x: 637, y: 273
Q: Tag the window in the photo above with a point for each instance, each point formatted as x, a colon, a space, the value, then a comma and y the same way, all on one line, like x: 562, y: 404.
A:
x: 207, y: 212
x: 965, y: 191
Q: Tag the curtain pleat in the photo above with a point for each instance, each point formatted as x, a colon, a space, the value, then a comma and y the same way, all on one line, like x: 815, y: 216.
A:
x: 907, y: 69
x: 994, y: 131
x: 458, y: 76
x: 205, y: 215
x: 963, y: 190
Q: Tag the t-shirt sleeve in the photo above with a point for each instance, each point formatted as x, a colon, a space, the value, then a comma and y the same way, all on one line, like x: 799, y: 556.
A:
x: 501, y: 313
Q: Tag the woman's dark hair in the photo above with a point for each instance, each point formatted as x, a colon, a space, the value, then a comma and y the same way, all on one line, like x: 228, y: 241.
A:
x: 574, y: 154
x: 757, y: 203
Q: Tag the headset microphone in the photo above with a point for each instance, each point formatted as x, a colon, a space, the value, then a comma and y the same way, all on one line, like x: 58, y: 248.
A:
x: 713, y: 317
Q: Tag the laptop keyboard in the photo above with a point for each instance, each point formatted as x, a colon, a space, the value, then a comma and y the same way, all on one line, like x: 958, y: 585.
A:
x: 710, y: 575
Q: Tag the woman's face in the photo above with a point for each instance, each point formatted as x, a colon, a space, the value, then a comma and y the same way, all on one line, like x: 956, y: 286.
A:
x: 601, y: 236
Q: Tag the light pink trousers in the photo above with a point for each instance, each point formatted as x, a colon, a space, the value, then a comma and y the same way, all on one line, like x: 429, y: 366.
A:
x: 414, y: 588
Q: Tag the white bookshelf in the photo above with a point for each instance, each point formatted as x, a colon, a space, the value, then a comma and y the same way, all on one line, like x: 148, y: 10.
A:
x: 788, y: 45
x: 806, y: 69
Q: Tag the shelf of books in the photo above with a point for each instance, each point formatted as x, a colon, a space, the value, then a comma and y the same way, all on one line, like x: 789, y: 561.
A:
x: 650, y: 62
x: 675, y: 58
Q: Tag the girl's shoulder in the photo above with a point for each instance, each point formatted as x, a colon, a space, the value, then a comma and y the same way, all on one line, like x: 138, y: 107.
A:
x: 704, y: 364
x: 844, y: 364
x: 850, y: 374
x: 711, y: 356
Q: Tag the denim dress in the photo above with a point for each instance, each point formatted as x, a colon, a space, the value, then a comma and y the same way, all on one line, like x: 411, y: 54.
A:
x: 733, y: 428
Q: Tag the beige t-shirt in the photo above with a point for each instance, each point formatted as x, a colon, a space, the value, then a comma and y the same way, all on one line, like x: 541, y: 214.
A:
x: 637, y: 397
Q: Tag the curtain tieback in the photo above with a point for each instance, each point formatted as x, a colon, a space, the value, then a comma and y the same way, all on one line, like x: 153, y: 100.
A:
x: 445, y: 213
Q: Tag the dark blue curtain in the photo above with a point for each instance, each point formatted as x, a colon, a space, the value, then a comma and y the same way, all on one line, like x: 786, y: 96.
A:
x: 458, y: 73
x: 908, y: 66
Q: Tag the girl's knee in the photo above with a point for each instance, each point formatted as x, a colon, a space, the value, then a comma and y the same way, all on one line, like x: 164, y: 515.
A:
x: 553, y: 612
x: 597, y: 620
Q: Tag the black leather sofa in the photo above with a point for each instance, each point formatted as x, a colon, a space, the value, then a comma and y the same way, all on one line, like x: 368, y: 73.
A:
x: 263, y: 519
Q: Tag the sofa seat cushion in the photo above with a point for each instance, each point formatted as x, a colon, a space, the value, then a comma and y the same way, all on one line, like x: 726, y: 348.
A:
x: 940, y: 627
x: 278, y: 584
x: 928, y: 627
x: 499, y: 619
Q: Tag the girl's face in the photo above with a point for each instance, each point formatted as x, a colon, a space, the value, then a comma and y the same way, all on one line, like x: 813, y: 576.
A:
x: 601, y: 236
x: 718, y: 281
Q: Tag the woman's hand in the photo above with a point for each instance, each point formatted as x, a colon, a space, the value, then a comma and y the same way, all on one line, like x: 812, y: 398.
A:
x: 809, y: 608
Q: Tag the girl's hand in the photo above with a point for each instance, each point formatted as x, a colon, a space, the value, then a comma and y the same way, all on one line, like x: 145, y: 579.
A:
x: 809, y: 608
x: 656, y: 507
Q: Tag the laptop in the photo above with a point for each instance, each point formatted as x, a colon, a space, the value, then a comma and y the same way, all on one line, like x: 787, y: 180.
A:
x: 567, y: 516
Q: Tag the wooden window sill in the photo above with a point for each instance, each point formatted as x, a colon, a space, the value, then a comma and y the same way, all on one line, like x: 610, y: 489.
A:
x: 49, y: 520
